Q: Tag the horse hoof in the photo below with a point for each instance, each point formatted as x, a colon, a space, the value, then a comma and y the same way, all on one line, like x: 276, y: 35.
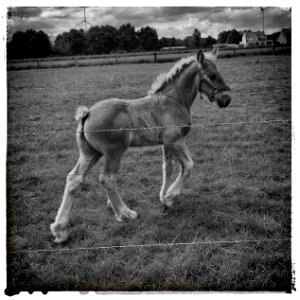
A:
x: 128, y: 215
x: 60, y: 235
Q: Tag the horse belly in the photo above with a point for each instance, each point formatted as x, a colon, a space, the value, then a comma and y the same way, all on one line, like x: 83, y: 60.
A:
x: 145, y: 137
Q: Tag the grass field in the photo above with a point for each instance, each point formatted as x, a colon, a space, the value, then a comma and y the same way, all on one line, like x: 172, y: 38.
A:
x: 240, y: 187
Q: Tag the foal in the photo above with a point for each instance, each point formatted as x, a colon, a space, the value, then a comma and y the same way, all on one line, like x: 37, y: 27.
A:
x: 163, y: 117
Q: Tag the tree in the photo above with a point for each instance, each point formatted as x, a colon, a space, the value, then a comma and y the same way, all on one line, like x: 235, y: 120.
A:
x: 234, y: 37
x: 188, y: 41
x: 222, y: 37
x: 28, y: 44
x: 71, y: 43
x: 170, y: 42
x: 210, y: 41
x: 102, y: 39
x: 148, y: 38
x: 196, y: 38
x: 77, y: 41
x: 128, y: 39
x: 62, y: 44
x: 164, y: 42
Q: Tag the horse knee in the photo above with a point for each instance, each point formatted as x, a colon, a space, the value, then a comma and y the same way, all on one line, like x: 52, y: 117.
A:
x: 190, y: 165
x: 73, y: 182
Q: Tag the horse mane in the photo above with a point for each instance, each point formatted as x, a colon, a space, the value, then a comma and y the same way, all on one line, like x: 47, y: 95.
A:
x: 164, y: 79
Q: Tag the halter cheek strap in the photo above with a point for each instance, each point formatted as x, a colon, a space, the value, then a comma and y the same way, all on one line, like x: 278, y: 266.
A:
x: 215, y: 90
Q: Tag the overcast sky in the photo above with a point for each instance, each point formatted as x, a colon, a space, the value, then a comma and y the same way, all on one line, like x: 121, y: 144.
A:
x: 168, y: 21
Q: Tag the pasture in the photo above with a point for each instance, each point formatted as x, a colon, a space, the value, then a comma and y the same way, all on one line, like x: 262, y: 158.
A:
x: 240, y: 188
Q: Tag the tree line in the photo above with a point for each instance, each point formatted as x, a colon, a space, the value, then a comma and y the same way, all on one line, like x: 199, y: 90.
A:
x: 106, y: 39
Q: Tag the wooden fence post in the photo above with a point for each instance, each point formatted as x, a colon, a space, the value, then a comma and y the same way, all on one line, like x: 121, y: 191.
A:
x: 38, y: 63
x: 155, y: 57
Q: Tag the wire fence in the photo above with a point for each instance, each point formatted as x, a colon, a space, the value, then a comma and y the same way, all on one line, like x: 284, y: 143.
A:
x: 197, y: 125
x: 260, y: 122
x: 195, y: 243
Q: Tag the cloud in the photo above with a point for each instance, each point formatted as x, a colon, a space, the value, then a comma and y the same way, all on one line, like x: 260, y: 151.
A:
x: 168, y: 21
x: 58, y: 13
x: 25, y: 12
x: 280, y: 16
x: 236, y: 17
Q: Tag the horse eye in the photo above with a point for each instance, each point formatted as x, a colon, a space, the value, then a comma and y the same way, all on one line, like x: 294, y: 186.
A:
x: 213, y: 76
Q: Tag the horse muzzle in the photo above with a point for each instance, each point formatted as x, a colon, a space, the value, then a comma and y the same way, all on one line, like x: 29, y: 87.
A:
x: 223, y: 98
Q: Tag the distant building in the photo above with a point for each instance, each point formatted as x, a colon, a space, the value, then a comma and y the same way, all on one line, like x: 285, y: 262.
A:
x: 285, y: 36
x: 273, y: 38
x: 254, y: 39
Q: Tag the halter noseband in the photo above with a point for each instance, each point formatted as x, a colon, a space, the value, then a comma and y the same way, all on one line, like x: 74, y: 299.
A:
x: 215, y: 89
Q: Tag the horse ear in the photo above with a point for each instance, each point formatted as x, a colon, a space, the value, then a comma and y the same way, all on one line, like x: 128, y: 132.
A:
x: 214, y: 52
x: 200, y: 56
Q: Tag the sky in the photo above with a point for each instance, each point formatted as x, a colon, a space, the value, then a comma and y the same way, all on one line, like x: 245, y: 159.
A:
x: 169, y: 21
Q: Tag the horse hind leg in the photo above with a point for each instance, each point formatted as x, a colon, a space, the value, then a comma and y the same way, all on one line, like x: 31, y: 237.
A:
x: 87, y: 158
x: 109, y: 184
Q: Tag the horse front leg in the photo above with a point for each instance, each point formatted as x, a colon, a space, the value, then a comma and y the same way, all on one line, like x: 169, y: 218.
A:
x: 108, y: 182
x: 181, y: 152
x: 167, y: 168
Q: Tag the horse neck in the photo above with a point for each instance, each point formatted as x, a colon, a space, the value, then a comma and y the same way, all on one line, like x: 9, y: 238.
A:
x: 186, y: 87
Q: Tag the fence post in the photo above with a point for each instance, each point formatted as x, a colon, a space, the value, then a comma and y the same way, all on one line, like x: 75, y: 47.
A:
x: 155, y: 57
x: 38, y: 63
x: 76, y: 61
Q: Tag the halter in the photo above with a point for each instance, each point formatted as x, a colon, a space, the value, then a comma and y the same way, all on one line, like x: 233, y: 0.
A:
x: 215, y: 89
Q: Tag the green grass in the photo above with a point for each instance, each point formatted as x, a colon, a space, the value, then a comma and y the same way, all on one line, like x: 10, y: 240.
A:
x: 240, y: 188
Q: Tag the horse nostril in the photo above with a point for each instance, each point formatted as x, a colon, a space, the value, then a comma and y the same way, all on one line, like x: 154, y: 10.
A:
x: 227, y: 102
x: 224, y: 101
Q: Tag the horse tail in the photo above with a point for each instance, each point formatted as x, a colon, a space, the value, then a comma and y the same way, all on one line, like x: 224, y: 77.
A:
x: 81, y: 113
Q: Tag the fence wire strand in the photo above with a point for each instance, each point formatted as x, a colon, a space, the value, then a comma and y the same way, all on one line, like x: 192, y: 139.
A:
x: 197, y: 125
x: 195, y: 243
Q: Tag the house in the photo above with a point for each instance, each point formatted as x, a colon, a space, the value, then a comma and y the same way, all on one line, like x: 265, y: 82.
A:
x: 273, y: 38
x: 285, y: 36
x: 254, y: 39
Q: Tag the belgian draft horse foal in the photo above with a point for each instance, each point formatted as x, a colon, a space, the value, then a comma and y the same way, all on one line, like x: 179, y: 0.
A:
x: 163, y: 117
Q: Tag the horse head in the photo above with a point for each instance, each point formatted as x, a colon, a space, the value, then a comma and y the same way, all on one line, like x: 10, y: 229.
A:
x: 211, y: 82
